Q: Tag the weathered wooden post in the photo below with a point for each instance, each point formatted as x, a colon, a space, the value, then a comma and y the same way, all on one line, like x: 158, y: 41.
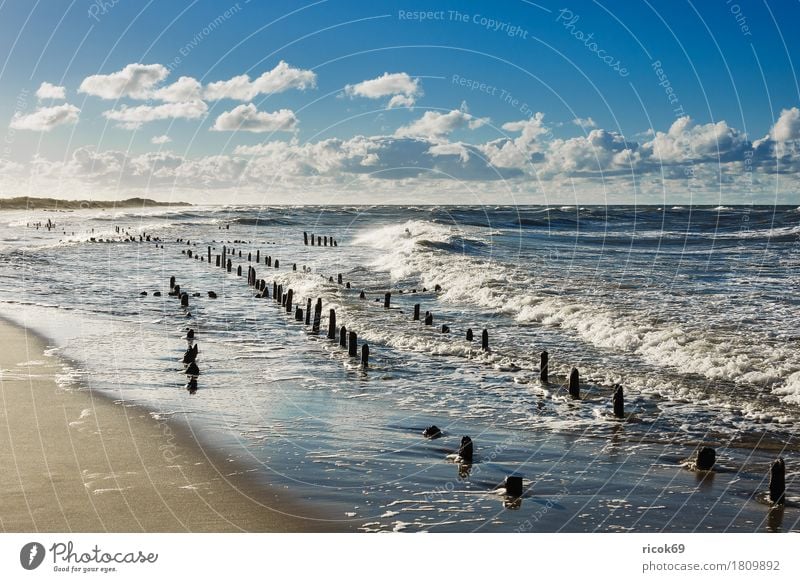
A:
x: 277, y: 263
x: 544, y: 363
x: 416, y: 312
x: 289, y: 294
x: 253, y: 275
x: 239, y: 270
x: 574, y: 384
x: 339, y: 278
x: 218, y: 260
x: 514, y: 486
x: 230, y: 265
x: 172, y: 283
x: 184, y: 300
x: 428, y: 318
x: 343, y: 337
x: 240, y: 254
x: 465, y: 451
x: 706, y: 457
x: 298, y: 313
x: 308, y: 312
x: 249, y: 257
x: 777, y: 482
x: 362, y: 295
x: 352, y: 344
x: 294, y: 266
x: 365, y: 356
x: 274, y: 290
x: 332, y: 324
x: 209, y: 255
x: 619, y: 401
x: 305, y: 238
x: 177, y: 291
x: 269, y: 261
x: 258, y: 256
x: 189, y: 253
x: 312, y: 239
x: 319, y: 241
x: 387, y: 300
x: 279, y: 297
x: 317, y: 316
x: 325, y: 238
x: 485, y: 340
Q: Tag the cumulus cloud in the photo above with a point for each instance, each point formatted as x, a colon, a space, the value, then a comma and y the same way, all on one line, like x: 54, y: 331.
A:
x: 185, y: 89
x: 688, y: 142
x: 787, y: 127
x: 249, y: 118
x: 584, y: 122
x: 136, y: 81
x: 282, y: 78
x: 437, y: 125
x: 45, y: 118
x: 134, y: 117
x: 49, y: 91
x: 403, y: 90
x: 160, y: 139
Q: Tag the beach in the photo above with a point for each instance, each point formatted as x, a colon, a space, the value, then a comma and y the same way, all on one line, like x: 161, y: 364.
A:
x: 288, y: 416
x: 75, y: 461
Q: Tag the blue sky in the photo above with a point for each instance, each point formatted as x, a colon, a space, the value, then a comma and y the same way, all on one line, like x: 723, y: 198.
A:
x: 486, y: 98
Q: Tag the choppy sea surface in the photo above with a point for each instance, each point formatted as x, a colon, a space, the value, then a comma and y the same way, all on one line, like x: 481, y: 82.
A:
x: 693, y: 310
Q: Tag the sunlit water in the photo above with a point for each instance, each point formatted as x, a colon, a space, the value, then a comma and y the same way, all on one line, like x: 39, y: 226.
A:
x: 693, y: 310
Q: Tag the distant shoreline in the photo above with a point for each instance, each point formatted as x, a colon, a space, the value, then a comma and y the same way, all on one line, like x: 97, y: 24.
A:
x: 54, y: 204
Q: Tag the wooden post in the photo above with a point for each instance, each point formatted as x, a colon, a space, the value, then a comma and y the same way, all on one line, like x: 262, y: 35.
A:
x: 343, y: 337
x: 308, y: 312
x: 177, y: 291
x: 514, y: 486
x: 224, y: 256
x: 289, y: 294
x: 305, y: 238
x: 325, y: 238
x: 339, y: 278
x: 706, y: 457
x: 387, y: 300
x: 619, y: 401
x: 240, y: 254
x: 277, y: 263
x: 274, y: 289
x: 294, y: 266
x: 428, y: 318
x: 218, y: 260
x: 465, y: 451
x: 269, y: 261
x: 312, y: 239
x: 239, y: 270
x: 317, y: 316
x: 319, y: 241
x: 470, y: 335
x: 777, y: 482
x: 230, y: 265
x: 249, y: 257
x: 416, y: 312
x: 332, y: 324
x: 279, y: 296
x: 362, y: 295
x: 298, y: 314
x: 543, y: 367
x: 352, y: 344
x: 485, y: 340
x: 172, y: 283
x: 184, y: 300
x: 574, y: 384
x: 365, y: 356
x: 209, y: 255
x: 258, y: 256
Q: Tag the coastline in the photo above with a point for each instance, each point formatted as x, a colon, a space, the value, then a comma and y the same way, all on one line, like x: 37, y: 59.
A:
x: 74, y: 460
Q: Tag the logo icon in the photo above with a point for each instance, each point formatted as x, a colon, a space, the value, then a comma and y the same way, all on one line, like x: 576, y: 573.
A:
x: 31, y: 555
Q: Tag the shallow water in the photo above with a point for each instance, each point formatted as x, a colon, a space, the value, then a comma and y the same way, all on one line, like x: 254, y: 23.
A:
x: 692, y: 310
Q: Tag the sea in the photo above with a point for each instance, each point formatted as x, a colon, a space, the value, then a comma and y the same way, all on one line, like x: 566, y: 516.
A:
x: 692, y: 310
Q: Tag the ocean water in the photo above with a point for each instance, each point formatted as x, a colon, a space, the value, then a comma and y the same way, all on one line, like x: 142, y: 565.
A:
x: 693, y: 310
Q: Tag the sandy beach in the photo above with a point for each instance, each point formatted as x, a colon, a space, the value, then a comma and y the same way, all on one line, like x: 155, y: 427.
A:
x: 73, y: 460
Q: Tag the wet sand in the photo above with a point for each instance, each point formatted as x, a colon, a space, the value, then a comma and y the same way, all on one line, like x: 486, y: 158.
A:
x: 73, y: 460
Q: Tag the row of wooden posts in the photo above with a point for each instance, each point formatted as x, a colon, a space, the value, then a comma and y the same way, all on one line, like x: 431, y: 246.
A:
x: 349, y: 339
x: 322, y: 241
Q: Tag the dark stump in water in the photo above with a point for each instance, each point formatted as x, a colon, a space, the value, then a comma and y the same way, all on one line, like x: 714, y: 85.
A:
x: 777, y: 482
x: 432, y: 432
x: 465, y: 450
x: 212, y: 295
x: 514, y: 486
x: 193, y: 369
x: 619, y: 401
x: 706, y: 457
x: 574, y: 384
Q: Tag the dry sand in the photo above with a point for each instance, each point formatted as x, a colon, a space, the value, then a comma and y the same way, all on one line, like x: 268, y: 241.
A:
x: 73, y: 460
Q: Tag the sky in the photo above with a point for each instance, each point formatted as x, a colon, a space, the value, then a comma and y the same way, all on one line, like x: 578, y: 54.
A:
x: 344, y: 102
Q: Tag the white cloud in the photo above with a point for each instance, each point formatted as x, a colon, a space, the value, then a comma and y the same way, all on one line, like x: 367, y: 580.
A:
x: 403, y: 89
x: 787, y: 127
x: 585, y: 123
x: 46, y: 118
x: 282, y: 78
x: 49, y: 91
x: 134, y: 117
x: 160, y: 139
x: 136, y: 81
x: 687, y: 142
x: 248, y: 118
x: 183, y: 90
x: 437, y: 125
